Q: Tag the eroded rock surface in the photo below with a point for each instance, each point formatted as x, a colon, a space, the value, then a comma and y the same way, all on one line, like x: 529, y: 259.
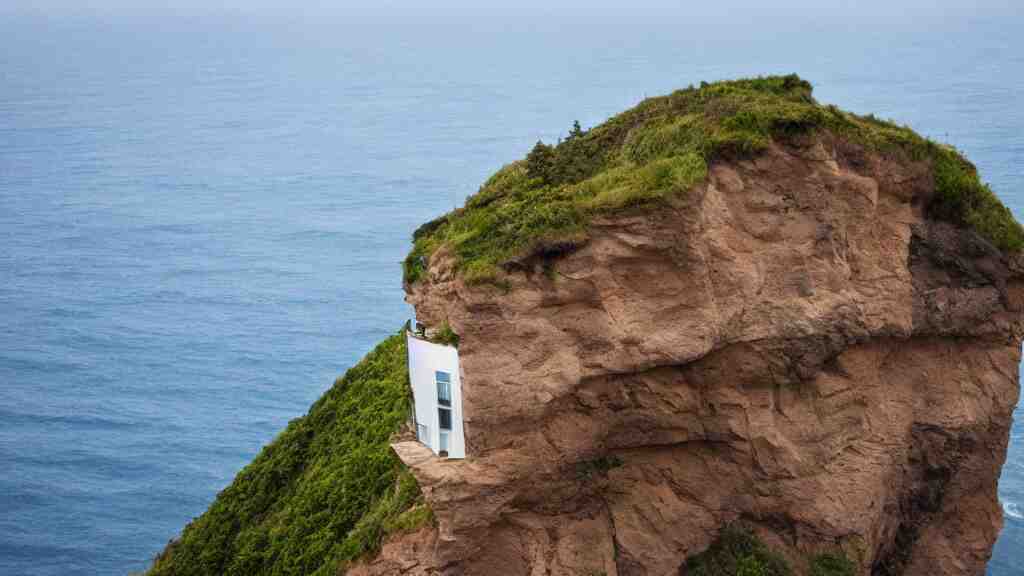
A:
x: 792, y: 344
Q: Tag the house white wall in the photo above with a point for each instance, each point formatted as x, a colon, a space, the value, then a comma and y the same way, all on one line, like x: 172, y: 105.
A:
x: 425, y: 358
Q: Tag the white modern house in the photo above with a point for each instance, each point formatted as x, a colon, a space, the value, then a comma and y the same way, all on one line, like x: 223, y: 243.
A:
x: 437, y: 396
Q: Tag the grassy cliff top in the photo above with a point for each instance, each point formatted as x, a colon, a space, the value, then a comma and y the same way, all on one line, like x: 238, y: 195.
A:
x: 325, y: 492
x: 663, y: 147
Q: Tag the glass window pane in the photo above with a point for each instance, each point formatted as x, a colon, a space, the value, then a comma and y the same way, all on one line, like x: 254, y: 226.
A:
x: 444, y: 393
x: 442, y: 376
x: 444, y: 417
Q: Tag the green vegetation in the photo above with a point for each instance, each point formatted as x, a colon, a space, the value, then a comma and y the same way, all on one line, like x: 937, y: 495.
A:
x: 445, y: 335
x: 398, y: 510
x: 326, y: 491
x: 829, y: 564
x: 961, y: 197
x: 736, y: 552
x: 597, y: 466
x: 661, y: 149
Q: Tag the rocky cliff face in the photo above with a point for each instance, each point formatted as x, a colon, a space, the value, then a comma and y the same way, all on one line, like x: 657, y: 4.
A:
x: 791, y: 344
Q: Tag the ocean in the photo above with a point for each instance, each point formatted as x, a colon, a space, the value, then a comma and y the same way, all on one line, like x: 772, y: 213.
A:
x: 203, y: 211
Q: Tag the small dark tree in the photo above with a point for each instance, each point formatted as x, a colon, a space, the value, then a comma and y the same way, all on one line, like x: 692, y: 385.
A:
x: 540, y: 162
x: 575, y: 158
x: 576, y: 131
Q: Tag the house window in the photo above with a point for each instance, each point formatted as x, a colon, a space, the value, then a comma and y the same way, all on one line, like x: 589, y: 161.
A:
x: 444, y: 400
x: 444, y: 388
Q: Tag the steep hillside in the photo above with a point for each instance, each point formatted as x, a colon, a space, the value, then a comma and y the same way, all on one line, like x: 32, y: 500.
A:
x: 323, y: 493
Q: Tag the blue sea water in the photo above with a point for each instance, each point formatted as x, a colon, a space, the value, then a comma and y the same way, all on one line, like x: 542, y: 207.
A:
x: 202, y: 211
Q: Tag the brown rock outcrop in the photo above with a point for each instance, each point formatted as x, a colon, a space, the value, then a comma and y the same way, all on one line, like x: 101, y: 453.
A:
x: 793, y: 344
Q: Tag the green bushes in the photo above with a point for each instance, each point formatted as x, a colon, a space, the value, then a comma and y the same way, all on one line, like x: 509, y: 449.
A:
x: 832, y: 565
x: 662, y: 148
x: 323, y: 493
x: 572, y: 160
x: 445, y: 335
x: 587, y: 469
x: 736, y: 552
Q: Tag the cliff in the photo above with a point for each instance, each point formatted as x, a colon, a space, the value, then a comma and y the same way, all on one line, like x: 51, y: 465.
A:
x: 806, y: 336
x: 730, y: 331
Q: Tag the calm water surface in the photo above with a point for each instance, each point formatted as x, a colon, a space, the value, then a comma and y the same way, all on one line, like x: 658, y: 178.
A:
x: 201, y: 219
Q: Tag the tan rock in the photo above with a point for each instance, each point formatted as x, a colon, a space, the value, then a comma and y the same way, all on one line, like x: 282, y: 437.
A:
x: 792, y: 344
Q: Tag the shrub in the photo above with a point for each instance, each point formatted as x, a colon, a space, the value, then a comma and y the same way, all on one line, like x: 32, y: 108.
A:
x: 445, y: 335
x: 736, y: 552
x: 598, y: 466
x: 540, y: 163
x: 829, y: 564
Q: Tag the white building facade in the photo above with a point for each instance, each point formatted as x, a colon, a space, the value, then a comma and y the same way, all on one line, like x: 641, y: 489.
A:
x: 437, y: 396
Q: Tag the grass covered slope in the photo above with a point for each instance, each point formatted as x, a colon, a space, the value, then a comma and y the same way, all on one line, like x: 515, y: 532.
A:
x: 663, y: 147
x: 323, y: 493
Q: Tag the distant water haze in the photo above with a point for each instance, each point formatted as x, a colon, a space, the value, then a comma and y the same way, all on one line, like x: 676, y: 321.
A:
x: 203, y: 207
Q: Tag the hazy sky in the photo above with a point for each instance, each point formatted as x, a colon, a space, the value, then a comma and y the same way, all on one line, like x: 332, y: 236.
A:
x: 577, y: 27
x: 878, y: 12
